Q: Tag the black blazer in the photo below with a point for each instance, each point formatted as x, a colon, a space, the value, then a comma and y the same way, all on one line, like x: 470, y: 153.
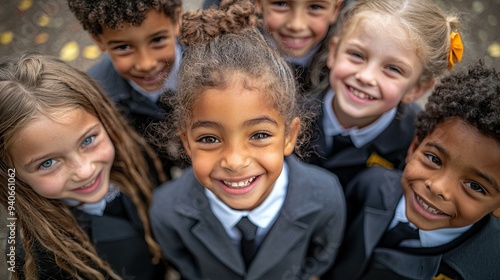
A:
x: 372, y: 199
x: 391, y: 145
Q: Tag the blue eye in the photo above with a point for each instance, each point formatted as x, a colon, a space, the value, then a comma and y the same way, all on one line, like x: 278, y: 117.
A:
x: 87, y: 141
x: 47, y: 164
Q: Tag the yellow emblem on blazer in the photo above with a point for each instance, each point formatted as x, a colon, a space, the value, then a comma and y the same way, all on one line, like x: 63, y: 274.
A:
x: 441, y: 276
x: 375, y: 159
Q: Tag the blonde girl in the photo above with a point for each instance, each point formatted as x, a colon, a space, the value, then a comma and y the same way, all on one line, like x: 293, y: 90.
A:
x: 237, y: 119
x: 385, y: 55
x: 70, y: 156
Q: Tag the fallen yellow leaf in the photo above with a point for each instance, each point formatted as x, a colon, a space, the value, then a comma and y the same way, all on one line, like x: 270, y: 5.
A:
x: 69, y: 51
x: 25, y: 4
x: 494, y: 50
x: 6, y: 37
x: 43, y: 20
x: 91, y: 52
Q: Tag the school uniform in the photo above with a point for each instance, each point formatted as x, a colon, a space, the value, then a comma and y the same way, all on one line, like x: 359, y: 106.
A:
x: 301, y: 241
x: 118, y: 236
x: 373, y: 198
x: 141, y: 110
x: 384, y: 143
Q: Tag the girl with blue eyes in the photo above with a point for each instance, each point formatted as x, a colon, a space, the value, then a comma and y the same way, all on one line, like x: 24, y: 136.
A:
x: 385, y: 54
x: 237, y: 119
x: 82, y: 176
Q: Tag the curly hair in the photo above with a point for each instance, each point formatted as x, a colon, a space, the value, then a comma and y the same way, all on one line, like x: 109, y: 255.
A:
x: 472, y: 96
x: 95, y: 15
x: 32, y: 85
x: 221, y: 43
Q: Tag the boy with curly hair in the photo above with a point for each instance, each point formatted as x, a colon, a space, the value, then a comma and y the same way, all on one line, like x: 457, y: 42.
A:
x: 143, y: 54
x: 448, y: 194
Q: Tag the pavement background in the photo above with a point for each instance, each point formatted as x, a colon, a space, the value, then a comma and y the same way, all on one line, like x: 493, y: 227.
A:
x: 49, y: 27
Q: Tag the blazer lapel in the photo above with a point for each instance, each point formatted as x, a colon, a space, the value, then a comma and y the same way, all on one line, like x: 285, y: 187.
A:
x: 208, y: 230
x: 288, y: 230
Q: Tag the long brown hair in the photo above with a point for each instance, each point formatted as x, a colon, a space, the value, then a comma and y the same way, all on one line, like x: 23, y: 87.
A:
x: 32, y: 85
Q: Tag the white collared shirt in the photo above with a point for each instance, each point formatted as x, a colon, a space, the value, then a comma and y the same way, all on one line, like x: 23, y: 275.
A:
x: 263, y: 215
x: 359, y: 137
x: 96, y: 208
x: 428, y: 238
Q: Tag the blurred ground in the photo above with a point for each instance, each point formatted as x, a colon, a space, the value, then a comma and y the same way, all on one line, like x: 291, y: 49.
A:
x: 48, y: 27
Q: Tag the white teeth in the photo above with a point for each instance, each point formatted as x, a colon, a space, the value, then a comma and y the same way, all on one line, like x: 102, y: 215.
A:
x: 89, y: 184
x: 239, y: 184
x: 360, y: 94
x: 427, y: 207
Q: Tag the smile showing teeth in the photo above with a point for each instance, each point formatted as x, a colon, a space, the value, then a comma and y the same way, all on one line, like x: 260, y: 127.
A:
x: 89, y: 184
x: 427, y: 207
x: 360, y: 94
x: 239, y: 184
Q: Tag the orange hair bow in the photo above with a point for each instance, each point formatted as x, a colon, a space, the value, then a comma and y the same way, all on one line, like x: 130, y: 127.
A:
x: 456, y: 49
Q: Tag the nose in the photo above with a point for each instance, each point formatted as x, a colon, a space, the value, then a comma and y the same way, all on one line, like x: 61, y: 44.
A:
x: 83, y: 168
x: 441, y: 186
x: 145, y: 61
x: 297, y: 22
x: 235, y: 158
x: 367, y: 75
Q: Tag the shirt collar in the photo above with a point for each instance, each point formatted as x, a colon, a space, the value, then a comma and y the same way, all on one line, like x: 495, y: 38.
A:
x: 170, y: 81
x: 262, y: 216
x: 428, y: 238
x: 359, y: 137
x: 96, y: 208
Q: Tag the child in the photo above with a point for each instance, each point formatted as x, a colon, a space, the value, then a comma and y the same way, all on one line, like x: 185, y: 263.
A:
x: 301, y: 30
x: 386, y: 54
x: 237, y: 119
x: 449, y: 191
x: 140, y: 38
x: 79, y: 184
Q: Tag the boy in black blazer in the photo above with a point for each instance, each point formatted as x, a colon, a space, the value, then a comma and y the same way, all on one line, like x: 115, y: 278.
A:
x: 449, y: 192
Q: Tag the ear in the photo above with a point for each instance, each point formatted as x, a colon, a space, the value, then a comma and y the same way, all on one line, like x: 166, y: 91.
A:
x: 99, y: 42
x: 335, y: 12
x: 496, y: 213
x: 413, y: 147
x: 178, y: 23
x: 332, y: 50
x: 185, y: 143
x: 291, y: 137
x: 418, y: 92
x: 258, y: 7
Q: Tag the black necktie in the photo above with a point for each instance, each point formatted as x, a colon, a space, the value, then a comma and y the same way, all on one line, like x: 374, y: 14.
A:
x: 248, y: 231
x: 340, y: 143
x: 393, y: 237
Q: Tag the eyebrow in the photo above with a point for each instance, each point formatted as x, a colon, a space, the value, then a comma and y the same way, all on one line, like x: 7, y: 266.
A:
x: 248, y: 123
x: 156, y: 34
x: 475, y: 171
x: 84, y: 135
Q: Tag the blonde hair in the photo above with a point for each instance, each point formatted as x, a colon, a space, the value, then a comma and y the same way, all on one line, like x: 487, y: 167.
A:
x: 427, y: 25
x: 32, y: 85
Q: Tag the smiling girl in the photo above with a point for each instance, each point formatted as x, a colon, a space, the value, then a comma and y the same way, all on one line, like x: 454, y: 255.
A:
x: 385, y: 55
x: 82, y: 180
x: 237, y: 119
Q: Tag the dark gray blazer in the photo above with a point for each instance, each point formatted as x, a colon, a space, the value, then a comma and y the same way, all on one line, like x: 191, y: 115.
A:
x: 372, y: 199
x: 392, y: 144
x: 302, y: 242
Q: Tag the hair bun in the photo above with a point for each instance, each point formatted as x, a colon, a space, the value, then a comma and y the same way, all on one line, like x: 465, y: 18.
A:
x: 233, y: 16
